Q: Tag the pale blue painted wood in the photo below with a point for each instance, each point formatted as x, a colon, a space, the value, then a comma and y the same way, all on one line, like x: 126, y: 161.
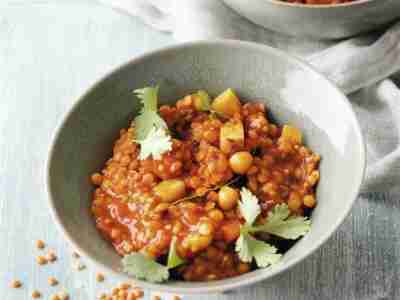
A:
x: 50, y: 52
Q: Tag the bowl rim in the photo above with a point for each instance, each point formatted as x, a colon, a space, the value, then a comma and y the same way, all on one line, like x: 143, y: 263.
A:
x: 222, y: 286
x: 315, y: 6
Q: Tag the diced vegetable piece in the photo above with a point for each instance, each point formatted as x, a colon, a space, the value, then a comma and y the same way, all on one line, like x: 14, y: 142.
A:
x: 226, y: 103
x: 291, y: 134
x: 233, y: 130
x: 170, y: 190
x: 202, y: 101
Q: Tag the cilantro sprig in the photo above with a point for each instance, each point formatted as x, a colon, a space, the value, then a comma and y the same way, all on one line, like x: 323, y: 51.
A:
x: 143, y: 267
x: 151, y: 131
x: 278, y: 223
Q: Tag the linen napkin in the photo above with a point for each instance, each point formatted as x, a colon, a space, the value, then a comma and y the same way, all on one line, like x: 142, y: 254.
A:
x: 359, y: 66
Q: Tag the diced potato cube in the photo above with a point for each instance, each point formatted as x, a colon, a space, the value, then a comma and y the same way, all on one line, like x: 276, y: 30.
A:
x: 233, y: 131
x: 202, y: 101
x: 227, y: 103
x: 291, y: 134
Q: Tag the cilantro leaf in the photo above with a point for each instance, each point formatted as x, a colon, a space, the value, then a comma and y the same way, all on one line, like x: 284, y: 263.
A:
x: 143, y: 267
x: 249, y: 248
x: 150, y: 128
x: 242, y: 246
x: 149, y: 97
x: 280, y: 224
x: 173, y: 259
x: 155, y: 144
x: 248, y: 206
x: 264, y: 253
x: 145, y: 122
x: 148, y: 117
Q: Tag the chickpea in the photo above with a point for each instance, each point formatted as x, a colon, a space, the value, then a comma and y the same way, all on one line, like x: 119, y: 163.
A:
x: 240, y: 162
x: 294, y: 202
x: 170, y: 190
x: 199, y: 242
x: 309, y: 201
x: 313, y: 178
x: 227, y: 198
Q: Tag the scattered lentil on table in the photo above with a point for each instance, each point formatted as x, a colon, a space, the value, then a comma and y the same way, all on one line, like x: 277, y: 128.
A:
x: 51, y: 256
x: 16, y: 284
x: 41, y: 260
x: 99, y: 277
x: 52, y: 281
x: 36, y: 294
x: 40, y: 244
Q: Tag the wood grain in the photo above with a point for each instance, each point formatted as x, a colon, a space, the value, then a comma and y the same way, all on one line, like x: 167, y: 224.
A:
x: 50, y: 52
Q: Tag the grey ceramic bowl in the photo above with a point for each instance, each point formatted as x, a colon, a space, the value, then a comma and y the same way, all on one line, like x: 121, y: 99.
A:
x: 319, y: 21
x: 293, y: 92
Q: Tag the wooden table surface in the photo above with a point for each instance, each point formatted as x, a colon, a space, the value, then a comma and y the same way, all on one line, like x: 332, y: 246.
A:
x: 50, y: 52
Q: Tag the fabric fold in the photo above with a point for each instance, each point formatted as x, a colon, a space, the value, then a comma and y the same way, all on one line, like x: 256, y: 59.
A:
x: 357, y: 66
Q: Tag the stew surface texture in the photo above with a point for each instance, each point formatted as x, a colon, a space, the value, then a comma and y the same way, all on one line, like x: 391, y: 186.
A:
x: 192, y: 192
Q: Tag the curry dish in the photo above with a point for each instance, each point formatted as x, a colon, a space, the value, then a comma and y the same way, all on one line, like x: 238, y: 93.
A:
x: 220, y: 152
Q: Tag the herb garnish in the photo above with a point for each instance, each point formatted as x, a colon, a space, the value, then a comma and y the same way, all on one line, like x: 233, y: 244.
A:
x: 278, y: 223
x: 151, y: 131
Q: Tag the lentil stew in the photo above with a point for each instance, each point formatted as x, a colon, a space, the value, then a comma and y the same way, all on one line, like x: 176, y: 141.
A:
x: 191, y: 191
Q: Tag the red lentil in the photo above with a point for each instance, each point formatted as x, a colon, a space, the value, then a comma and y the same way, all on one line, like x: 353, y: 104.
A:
x: 40, y: 244
x: 51, y: 256
x: 63, y: 295
x: 36, y: 294
x: 52, y: 281
x: 99, y: 277
x: 16, y: 284
x: 41, y: 260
